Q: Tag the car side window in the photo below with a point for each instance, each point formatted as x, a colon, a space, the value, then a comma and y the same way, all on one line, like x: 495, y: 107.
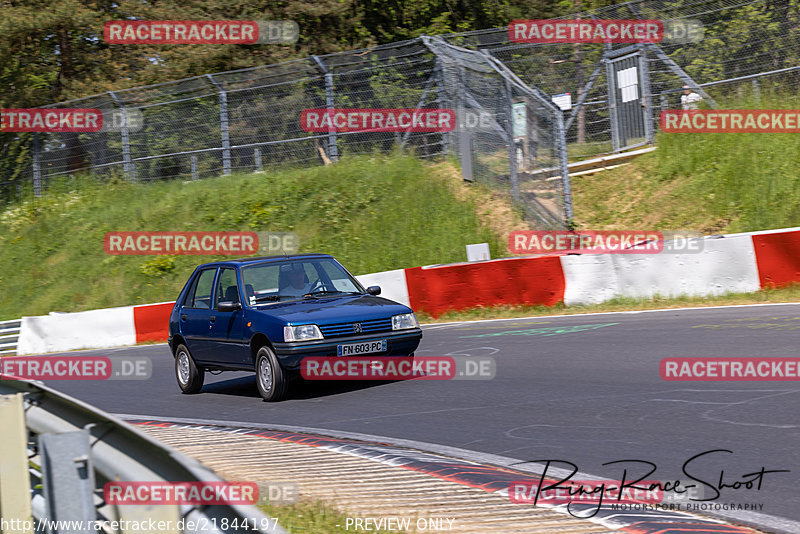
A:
x: 200, y: 296
x: 227, y: 288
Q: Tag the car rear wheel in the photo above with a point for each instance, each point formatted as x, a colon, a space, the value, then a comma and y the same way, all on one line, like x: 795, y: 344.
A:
x: 190, y: 377
x: 271, y: 380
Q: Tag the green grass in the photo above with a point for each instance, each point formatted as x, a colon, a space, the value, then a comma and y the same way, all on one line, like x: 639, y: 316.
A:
x: 773, y: 295
x: 713, y: 183
x: 311, y: 517
x: 372, y: 213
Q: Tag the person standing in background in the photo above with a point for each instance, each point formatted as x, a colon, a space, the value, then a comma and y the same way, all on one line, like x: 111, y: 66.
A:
x: 690, y: 99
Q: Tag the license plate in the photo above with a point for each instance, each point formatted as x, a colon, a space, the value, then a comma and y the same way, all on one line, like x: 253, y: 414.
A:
x: 355, y: 349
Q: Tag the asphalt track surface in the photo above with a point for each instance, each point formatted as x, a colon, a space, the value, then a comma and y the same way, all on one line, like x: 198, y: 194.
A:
x: 582, y: 388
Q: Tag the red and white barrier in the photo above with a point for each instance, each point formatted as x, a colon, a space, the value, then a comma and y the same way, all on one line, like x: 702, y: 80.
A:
x: 733, y: 263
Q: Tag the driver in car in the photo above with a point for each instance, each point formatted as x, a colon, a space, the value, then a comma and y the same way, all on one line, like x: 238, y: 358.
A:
x: 298, y: 286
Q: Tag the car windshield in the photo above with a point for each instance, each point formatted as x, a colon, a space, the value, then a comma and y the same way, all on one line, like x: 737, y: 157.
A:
x: 297, y: 279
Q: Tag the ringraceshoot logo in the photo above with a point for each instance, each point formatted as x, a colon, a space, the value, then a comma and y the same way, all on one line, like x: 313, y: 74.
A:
x: 377, y: 120
x: 730, y: 121
x: 200, y: 32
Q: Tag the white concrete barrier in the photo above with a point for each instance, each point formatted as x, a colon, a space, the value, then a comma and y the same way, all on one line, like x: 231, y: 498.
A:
x: 110, y: 327
x: 393, y: 284
x: 725, y: 265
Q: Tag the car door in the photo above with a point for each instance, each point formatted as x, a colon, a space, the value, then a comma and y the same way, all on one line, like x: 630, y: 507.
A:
x: 195, y: 315
x: 228, y: 346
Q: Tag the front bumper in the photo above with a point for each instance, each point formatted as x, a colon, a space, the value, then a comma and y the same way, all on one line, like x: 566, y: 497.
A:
x: 399, y: 343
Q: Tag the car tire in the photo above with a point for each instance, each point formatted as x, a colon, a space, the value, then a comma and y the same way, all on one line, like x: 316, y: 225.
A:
x: 189, y: 376
x: 271, y: 379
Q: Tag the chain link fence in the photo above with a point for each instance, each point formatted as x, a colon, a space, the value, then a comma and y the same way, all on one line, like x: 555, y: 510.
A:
x: 509, y: 134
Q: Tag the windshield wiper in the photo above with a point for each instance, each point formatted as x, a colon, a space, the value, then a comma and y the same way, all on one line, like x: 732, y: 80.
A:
x: 264, y: 298
x: 324, y: 292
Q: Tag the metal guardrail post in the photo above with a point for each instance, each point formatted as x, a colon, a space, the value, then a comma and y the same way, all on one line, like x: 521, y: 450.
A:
x: 9, y: 336
x: 15, y: 503
x: 223, y: 126
x: 68, y: 477
x: 127, y: 164
x: 118, y: 452
x: 333, y: 147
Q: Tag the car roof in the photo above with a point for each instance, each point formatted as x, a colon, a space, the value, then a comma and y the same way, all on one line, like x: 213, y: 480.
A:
x: 265, y: 259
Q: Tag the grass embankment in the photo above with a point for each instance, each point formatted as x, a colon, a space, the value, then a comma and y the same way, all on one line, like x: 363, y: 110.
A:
x: 711, y: 183
x: 313, y: 518
x: 372, y: 213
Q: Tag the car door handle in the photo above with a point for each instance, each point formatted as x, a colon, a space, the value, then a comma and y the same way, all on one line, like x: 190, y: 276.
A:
x: 183, y: 317
x: 213, y: 318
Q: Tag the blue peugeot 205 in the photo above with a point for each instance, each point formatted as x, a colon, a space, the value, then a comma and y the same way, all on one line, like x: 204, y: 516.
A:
x: 267, y: 314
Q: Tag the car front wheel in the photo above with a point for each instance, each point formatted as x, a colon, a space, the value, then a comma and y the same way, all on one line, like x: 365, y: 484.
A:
x: 190, y: 377
x: 270, y: 378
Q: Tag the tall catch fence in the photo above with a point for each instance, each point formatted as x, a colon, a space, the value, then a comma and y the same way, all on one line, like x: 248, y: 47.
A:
x: 509, y: 133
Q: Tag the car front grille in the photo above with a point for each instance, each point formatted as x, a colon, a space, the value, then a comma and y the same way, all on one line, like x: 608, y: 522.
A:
x: 346, y: 329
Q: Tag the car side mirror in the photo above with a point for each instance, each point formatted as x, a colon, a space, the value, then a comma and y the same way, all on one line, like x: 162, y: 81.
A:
x: 374, y: 290
x: 229, y: 306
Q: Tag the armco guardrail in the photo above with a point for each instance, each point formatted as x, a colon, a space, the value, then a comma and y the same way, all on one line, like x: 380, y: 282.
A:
x: 9, y: 335
x: 66, y: 451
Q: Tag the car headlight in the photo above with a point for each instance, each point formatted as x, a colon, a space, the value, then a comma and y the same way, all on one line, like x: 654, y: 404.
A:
x: 303, y: 332
x: 404, y: 321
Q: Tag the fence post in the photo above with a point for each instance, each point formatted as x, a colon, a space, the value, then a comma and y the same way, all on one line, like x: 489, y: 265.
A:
x: 649, y: 130
x: 512, y: 148
x: 193, y: 160
x: 257, y: 158
x: 223, y: 126
x: 438, y: 72
x: 37, y: 166
x: 333, y: 147
x: 612, y: 105
x: 127, y: 165
x: 756, y: 91
x: 563, y: 162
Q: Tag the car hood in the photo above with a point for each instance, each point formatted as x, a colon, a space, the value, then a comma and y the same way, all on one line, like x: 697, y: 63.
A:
x: 331, y: 310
